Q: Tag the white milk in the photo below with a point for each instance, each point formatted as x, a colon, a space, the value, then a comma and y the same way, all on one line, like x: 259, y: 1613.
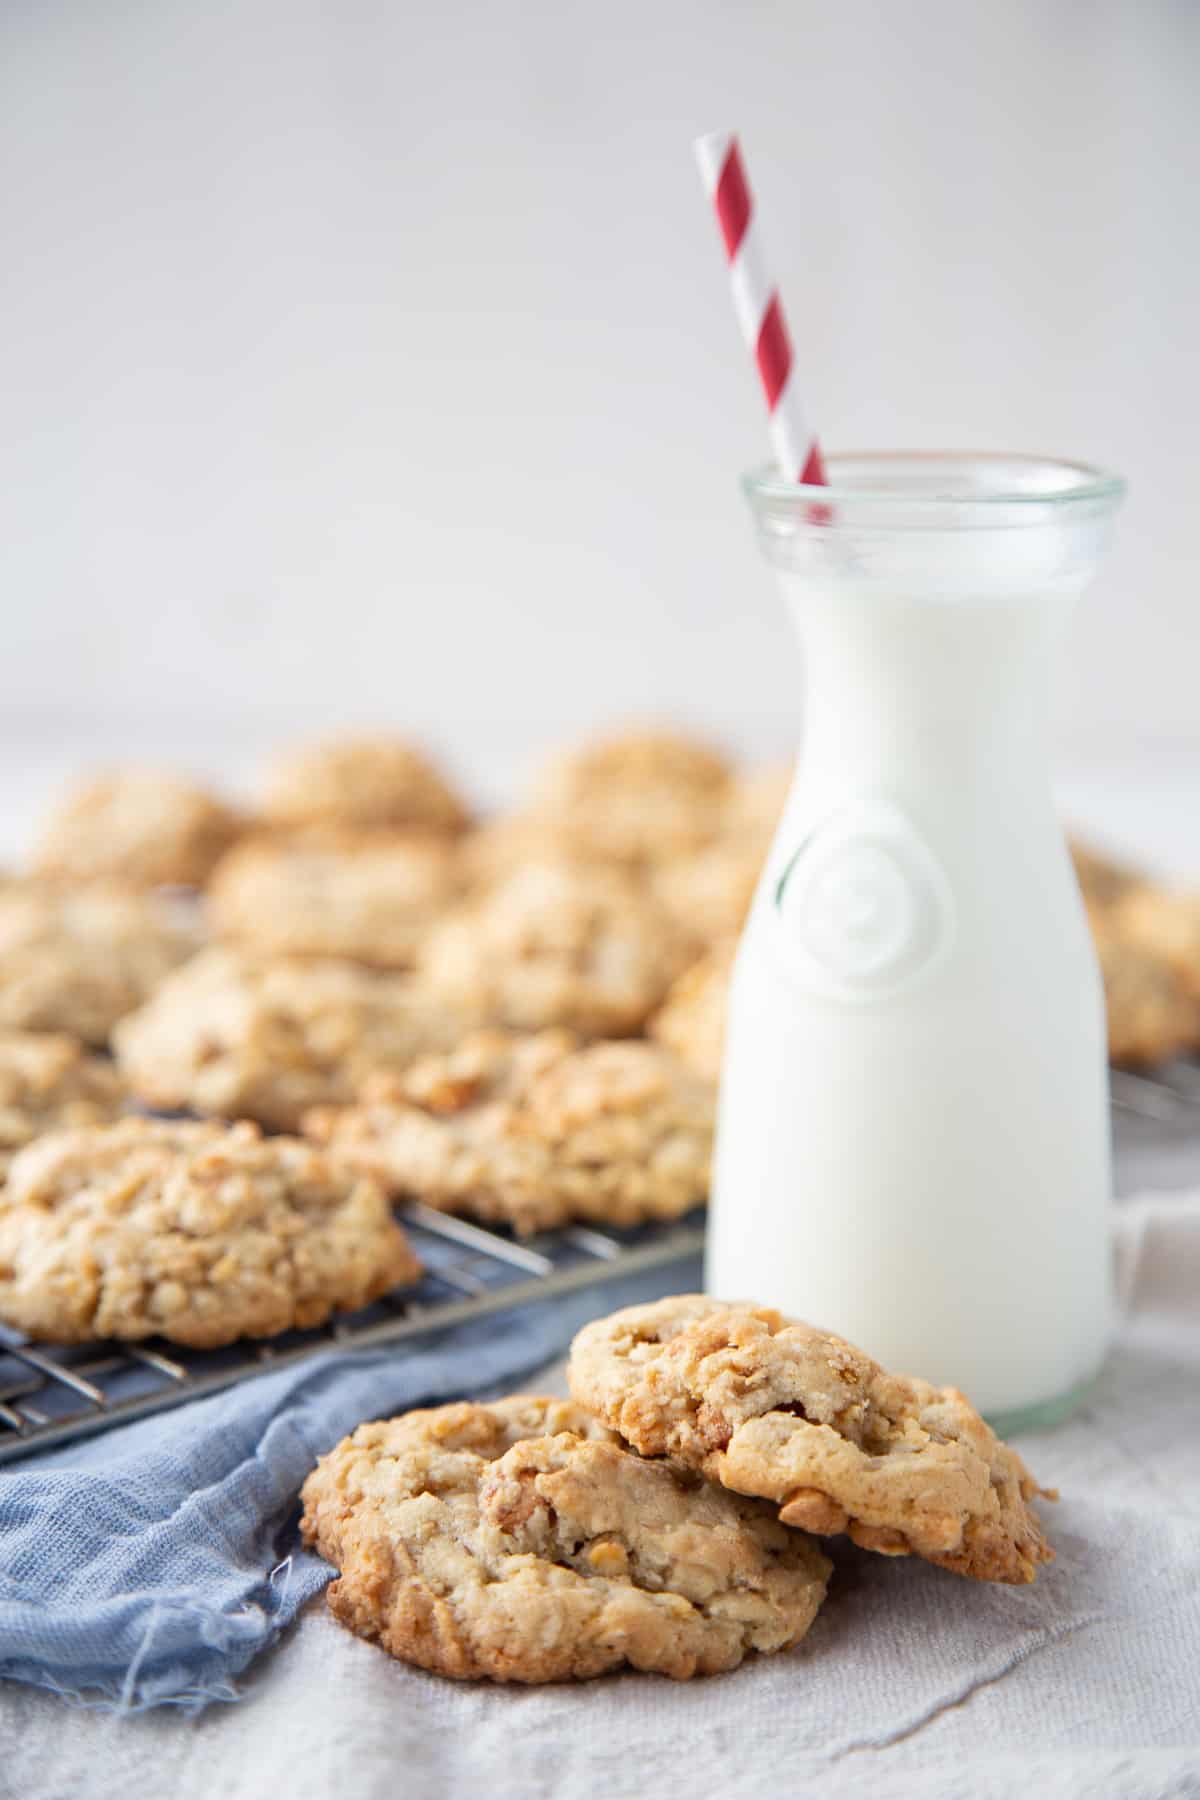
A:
x: 913, y: 1140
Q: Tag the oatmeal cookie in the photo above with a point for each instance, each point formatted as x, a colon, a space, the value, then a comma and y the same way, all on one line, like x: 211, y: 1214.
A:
x: 1151, y: 1014
x: 533, y: 1131
x: 366, y: 783
x: 709, y: 892
x: 636, y: 798
x: 518, y: 1542
x: 77, y: 960
x: 1164, y: 923
x: 1102, y: 878
x: 49, y: 1081
x: 557, y: 943
x: 768, y: 1406
x: 691, y: 1020
x: 494, y: 849
x: 757, y: 799
x: 137, y: 827
x: 200, y: 1232
x: 368, y: 899
x: 264, y: 1038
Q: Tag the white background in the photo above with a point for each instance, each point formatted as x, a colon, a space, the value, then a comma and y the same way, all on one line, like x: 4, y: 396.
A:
x: 375, y: 362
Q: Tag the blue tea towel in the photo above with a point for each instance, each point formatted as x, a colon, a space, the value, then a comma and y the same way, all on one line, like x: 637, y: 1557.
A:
x: 150, y: 1565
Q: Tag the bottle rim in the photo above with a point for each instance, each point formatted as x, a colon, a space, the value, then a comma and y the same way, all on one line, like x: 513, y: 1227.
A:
x: 950, y: 486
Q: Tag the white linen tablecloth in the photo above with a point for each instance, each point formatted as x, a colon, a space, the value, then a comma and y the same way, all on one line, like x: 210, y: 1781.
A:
x: 912, y: 1681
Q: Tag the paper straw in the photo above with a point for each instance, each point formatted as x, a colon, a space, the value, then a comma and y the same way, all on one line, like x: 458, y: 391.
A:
x: 758, y: 306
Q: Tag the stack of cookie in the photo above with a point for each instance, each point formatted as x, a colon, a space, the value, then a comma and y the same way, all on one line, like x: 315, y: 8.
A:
x: 666, y: 1518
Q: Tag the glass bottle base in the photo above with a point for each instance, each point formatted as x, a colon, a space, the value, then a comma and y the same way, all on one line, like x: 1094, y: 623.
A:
x: 1044, y: 1414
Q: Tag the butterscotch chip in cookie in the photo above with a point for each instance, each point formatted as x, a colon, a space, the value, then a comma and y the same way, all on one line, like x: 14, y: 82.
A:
x: 77, y: 960
x: 766, y: 1405
x: 245, y: 1036
x: 366, y: 783
x: 370, y: 899
x: 518, y: 1542
x: 558, y: 943
x: 533, y: 1131
x: 137, y: 827
x: 197, y: 1232
x: 1152, y: 1015
x: 637, y: 797
x: 691, y: 1020
x: 49, y: 1081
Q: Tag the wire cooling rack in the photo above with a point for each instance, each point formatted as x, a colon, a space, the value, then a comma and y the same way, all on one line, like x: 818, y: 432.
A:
x: 53, y: 1395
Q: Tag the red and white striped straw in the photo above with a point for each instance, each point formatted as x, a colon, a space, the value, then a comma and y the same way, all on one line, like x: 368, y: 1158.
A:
x: 758, y: 306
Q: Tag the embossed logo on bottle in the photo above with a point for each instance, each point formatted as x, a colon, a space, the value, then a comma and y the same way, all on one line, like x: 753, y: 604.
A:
x: 863, y: 905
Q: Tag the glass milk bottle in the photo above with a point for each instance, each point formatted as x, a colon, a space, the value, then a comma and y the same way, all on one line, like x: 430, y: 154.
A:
x: 913, y: 1145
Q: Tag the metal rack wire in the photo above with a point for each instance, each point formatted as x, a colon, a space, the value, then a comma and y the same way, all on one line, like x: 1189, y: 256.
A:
x: 54, y: 1395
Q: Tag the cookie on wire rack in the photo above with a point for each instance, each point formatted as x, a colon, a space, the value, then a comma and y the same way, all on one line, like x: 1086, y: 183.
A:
x: 48, y: 1082
x: 558, y: 943
x: 198, y: 1232
x: 78, y: 959
x: 635, y: 797
x: 139, y: 828
x: 691, y: 1021
x: 1151, y: 1013
x: 366, y: 897
x: 361, y: 783
x: 535, y: 1130
x: 246, y: 1036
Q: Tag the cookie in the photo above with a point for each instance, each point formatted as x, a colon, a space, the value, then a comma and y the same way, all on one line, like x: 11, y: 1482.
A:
x: 533, y: 1131
x: 200, y: 1233
x: 757, y: 799
x: 557, y: 943
x: 709, y: 890
x: 1103, y: 878
x: 636, y: 798
x: 768, y: 1406
x: 136, y: 827
x: 518, y: 1542
x: 1151, y: 1015
x: 1164, y: 923
x: 243, y: 1036
x: 77, y: 960
x: 494, y: 849
x: 369, y: 899
x: 49, y: 1081
x: 691, y: 1021
x: 367, y: 783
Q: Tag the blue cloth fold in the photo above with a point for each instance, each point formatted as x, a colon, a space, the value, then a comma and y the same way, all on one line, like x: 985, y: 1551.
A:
x: 149, y: 1566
